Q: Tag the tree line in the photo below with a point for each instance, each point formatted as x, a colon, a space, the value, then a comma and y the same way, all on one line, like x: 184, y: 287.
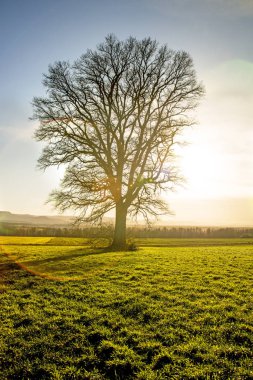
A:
x: 106, y: 231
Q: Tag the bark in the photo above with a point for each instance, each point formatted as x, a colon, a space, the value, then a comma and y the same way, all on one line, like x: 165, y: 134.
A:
x: 119, y: 239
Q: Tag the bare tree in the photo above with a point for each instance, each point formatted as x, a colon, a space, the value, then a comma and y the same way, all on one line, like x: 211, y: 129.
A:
x: 113, y: 118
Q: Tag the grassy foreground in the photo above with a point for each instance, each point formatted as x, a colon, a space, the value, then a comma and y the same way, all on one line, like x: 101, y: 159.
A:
x: 69, y: 311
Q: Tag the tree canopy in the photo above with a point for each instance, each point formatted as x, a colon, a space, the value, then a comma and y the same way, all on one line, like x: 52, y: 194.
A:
x: 113, y: 118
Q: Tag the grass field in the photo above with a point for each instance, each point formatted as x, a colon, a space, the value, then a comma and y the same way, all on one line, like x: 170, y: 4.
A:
x: 174, y: 309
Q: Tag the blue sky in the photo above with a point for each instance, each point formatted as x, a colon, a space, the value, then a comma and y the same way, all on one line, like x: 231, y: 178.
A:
x: 218, y: 34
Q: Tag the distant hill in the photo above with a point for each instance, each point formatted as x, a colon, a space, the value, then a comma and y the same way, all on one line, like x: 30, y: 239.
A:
x: 8, y: 217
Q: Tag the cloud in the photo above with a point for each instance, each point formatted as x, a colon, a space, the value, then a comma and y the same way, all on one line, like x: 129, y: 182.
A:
x: 227, y: 7
x: 222, y: 8
x: 229, y: 100
x: 244, y: 7
x: 232, y: 78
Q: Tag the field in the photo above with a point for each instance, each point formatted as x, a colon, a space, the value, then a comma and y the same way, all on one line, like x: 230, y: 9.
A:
x: 174, y: 309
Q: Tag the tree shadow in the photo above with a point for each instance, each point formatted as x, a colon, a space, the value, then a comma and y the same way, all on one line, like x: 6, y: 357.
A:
x: 8, y: 267
x: 10, y: 273
x: 73, y: 255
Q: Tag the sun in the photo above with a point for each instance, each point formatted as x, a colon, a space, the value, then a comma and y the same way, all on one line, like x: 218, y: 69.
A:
x: 203, y: 170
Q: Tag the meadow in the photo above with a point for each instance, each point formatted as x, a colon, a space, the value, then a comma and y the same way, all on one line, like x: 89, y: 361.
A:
x: 174, y: 309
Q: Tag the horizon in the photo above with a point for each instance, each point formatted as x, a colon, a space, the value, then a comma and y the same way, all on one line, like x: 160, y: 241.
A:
x: 130, y: 222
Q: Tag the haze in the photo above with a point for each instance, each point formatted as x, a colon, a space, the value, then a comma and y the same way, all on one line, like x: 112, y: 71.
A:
x: 217, y: 163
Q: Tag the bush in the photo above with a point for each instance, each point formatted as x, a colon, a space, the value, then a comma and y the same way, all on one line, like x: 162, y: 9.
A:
x: 132, y: 245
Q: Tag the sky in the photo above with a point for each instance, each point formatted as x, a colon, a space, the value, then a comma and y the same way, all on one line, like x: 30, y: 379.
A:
x: 217, y: 162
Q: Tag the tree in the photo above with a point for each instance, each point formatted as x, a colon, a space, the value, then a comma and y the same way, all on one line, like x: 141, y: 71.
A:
x: 113, y: 118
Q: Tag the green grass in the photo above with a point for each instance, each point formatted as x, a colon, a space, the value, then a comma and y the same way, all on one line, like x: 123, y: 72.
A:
x: 69, y: 311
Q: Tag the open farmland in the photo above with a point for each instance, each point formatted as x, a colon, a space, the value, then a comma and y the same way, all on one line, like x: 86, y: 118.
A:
x: 174, y: 309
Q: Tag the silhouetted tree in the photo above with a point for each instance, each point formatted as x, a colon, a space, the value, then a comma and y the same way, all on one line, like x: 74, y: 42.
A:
x: 112, y: 118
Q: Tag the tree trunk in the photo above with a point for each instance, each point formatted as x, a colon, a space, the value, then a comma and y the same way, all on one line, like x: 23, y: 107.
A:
x: 119, y: 239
